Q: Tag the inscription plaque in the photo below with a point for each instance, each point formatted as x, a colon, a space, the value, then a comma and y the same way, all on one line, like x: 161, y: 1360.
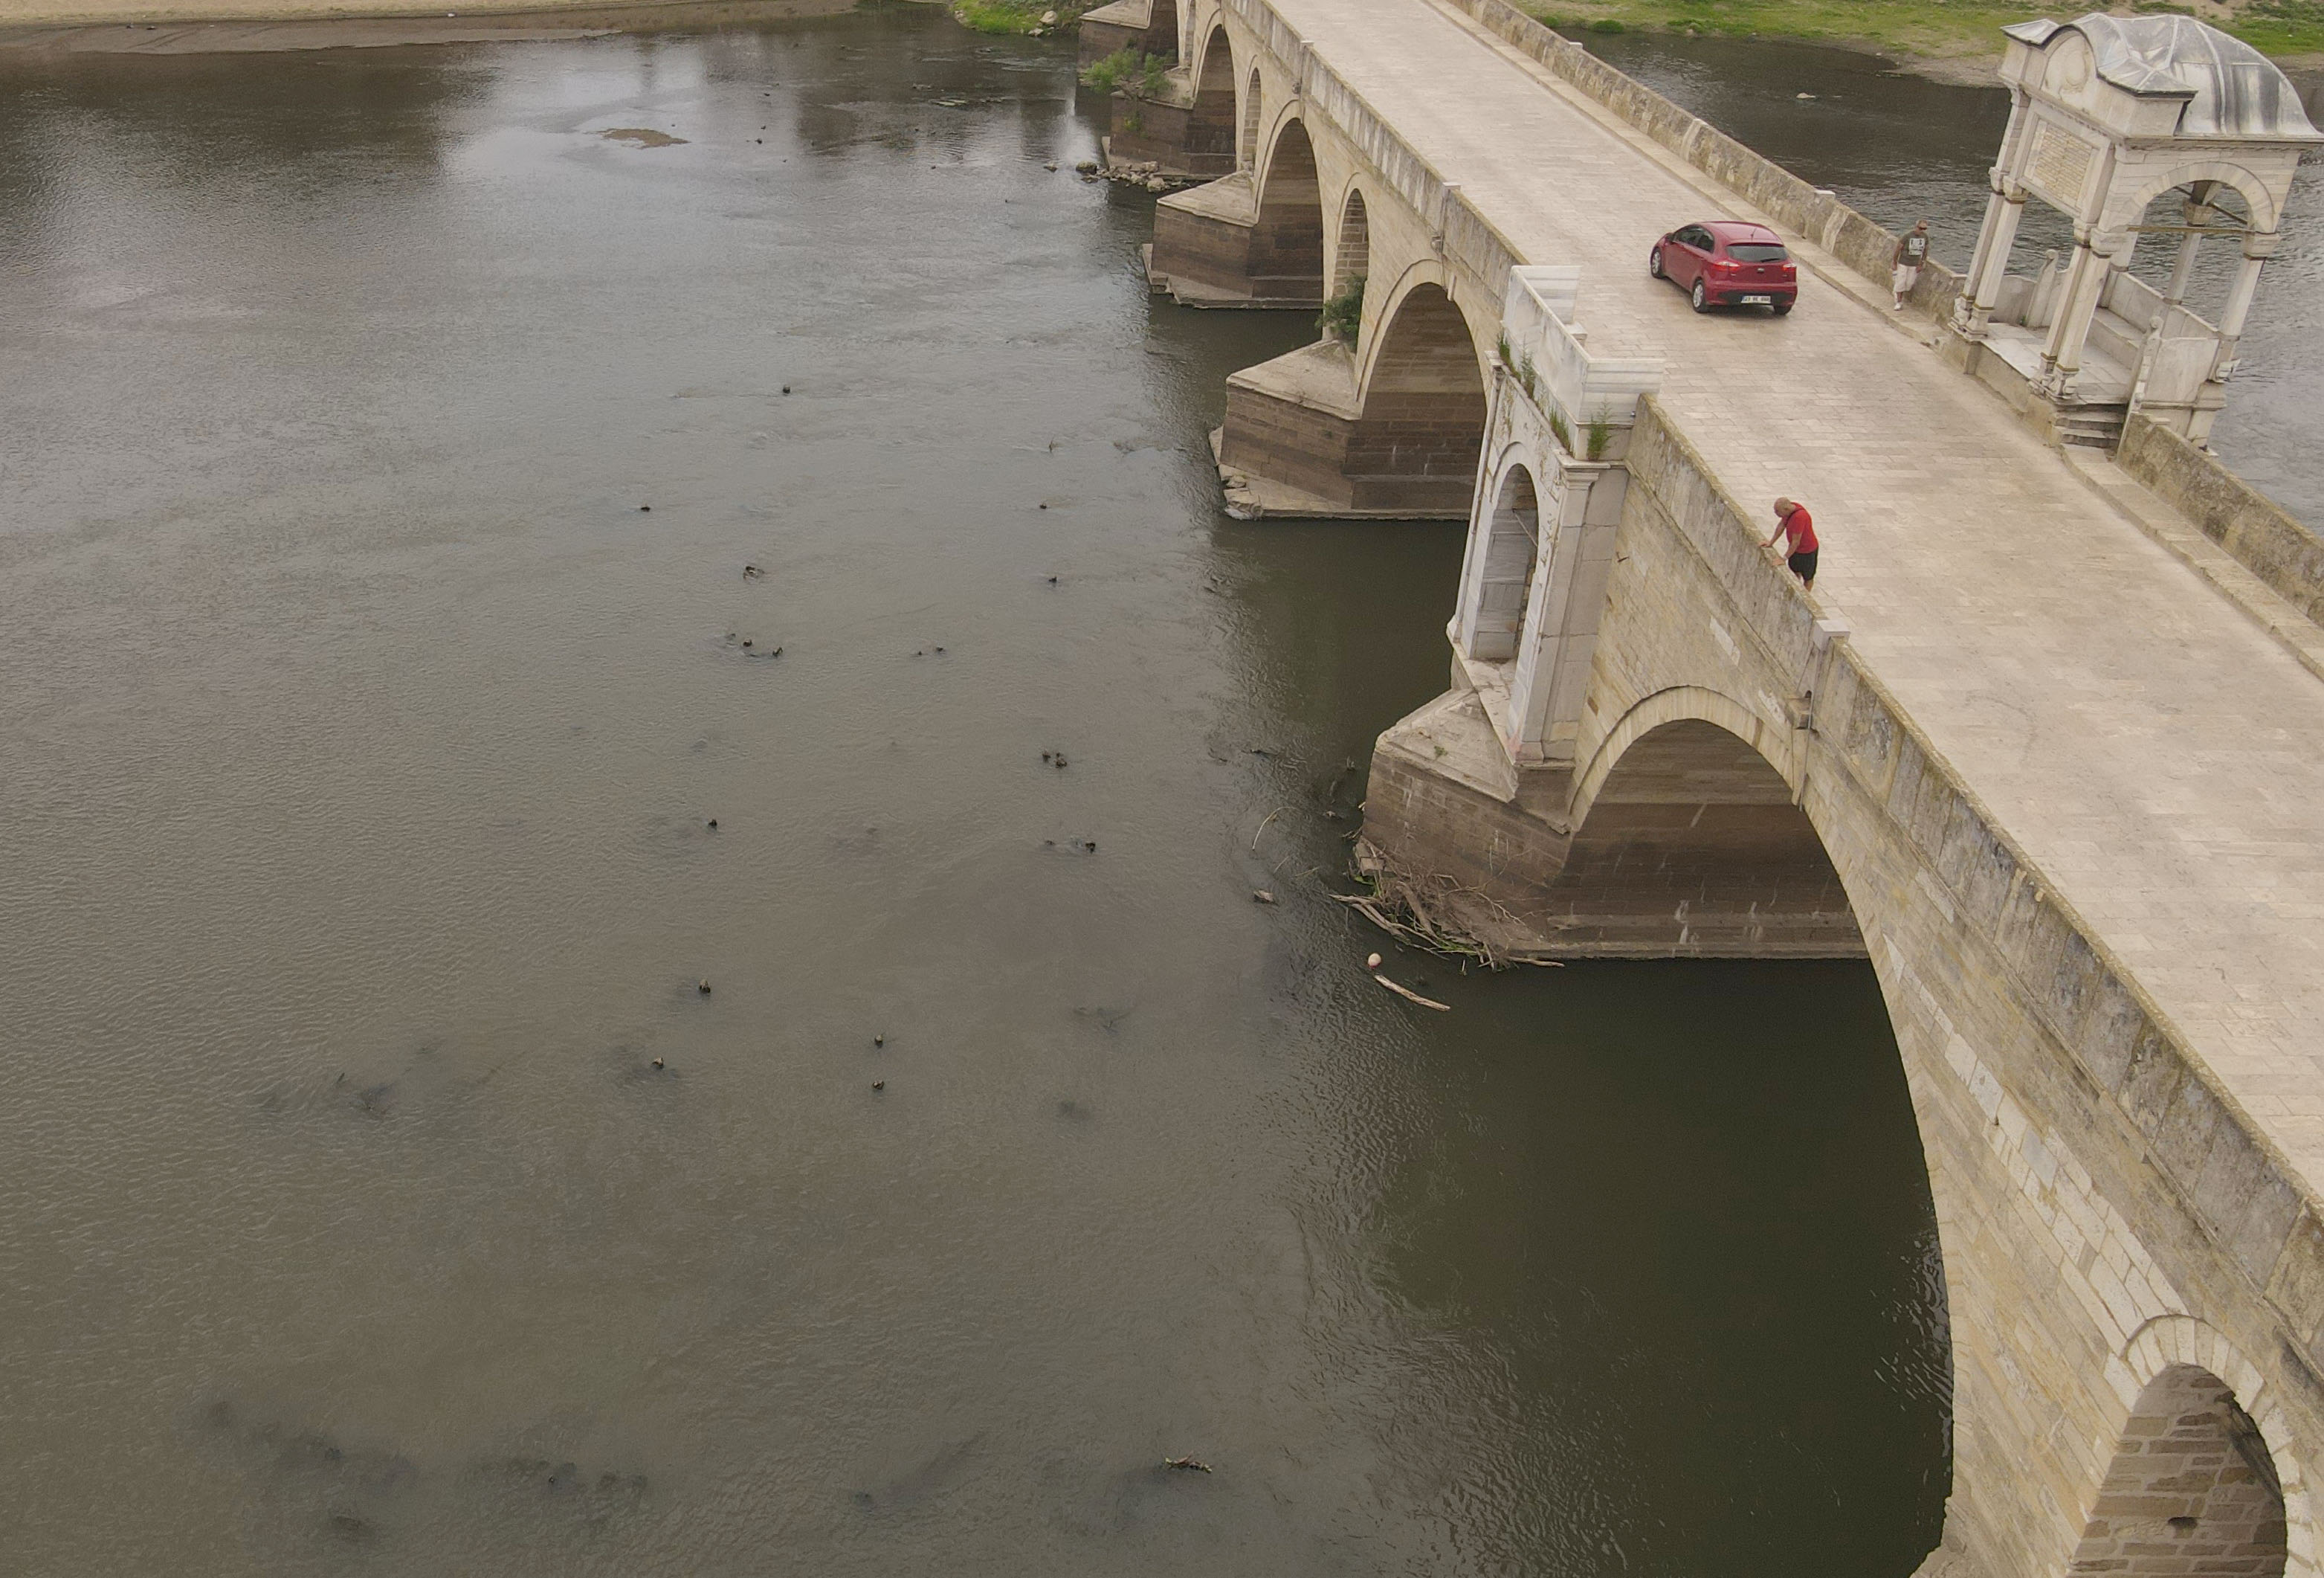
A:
x: 2060, y: 165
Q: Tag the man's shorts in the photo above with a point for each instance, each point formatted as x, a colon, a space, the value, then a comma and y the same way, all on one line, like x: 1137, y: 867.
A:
x: 1803, y: 565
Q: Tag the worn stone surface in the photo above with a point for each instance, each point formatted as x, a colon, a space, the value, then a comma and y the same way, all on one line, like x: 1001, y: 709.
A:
x: 2253, y: 528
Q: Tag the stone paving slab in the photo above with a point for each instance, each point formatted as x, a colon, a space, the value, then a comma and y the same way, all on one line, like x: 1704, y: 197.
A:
x: 2158, y: 754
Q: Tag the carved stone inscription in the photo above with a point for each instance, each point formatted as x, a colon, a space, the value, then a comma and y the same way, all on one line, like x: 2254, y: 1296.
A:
x: 2060, y: 165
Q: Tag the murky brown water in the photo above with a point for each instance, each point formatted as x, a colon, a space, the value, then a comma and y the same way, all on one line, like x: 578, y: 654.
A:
x: 1901, y: 147
x: 359, y: 733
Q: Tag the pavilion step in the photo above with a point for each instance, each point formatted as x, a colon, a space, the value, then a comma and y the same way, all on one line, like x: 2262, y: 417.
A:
x: 2092, y: 427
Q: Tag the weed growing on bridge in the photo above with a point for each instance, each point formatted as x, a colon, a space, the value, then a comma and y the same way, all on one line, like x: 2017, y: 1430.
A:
x: 1599, y: 429
x: 1343, y: 314
x: 1131, y: 71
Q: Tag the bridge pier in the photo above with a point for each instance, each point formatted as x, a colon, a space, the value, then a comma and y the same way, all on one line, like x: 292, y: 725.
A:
x: 1314, y: 432
x: 1246, y: 239
x: 1693, y: 845
x: 1147, y: 27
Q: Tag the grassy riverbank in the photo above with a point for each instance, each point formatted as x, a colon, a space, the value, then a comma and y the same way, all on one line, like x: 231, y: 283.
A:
x: 1030, y: 18
x: 1941, y: 37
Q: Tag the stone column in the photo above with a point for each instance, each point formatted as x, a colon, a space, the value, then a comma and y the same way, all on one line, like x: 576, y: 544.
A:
x: 2062, y: 357
x: 2258, y: 248
x: 1569, y: 597
x: 2196, y: 210
x: 1973, y: 308
x: 2181, y: 270
x: 2003, y: 210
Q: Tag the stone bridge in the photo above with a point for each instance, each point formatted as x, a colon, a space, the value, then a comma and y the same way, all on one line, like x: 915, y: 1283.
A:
x: 2042, y: 744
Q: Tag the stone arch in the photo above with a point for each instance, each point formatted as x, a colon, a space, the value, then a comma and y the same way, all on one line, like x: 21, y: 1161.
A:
x: 1246, y: 156
x: 2192, y: 1489
x: 1352, y: 251
x: 1162, y: 29
x: 1687, y: 838
x: 2196, y: 1404
x: 2130, y: 204
x: 1415, y: 447
x: 1690, y: 749
x: 1287, y: 243
x: 1210, y: 140
x: 1680, y: 703
x: 1505, y: 577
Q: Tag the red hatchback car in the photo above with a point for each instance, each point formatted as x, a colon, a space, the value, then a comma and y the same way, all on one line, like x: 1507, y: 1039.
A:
x: 1727, y: 263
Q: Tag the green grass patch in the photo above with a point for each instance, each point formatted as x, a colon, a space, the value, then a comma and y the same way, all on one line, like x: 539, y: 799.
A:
x: 1127, y: 70
x: 1014, y: 16
x: 1921, y: 29
x: 1343, y: 314
x: 2282, y: 27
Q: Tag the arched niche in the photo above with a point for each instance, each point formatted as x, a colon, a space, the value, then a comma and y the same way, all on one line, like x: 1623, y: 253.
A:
x: 1287, y: 243
x: 1416, y: 445
x: 2192, y: 1492
x: 1352, y: 253
x: 1505, y: 572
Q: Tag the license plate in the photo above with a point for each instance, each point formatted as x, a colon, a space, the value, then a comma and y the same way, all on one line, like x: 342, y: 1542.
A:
x: 1758, y: 300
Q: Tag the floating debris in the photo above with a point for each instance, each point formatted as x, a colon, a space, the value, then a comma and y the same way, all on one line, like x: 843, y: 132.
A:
x: 1193, y: 1465
x: 643, y: 136
x: 1261, y: 896
x: 703, y: 986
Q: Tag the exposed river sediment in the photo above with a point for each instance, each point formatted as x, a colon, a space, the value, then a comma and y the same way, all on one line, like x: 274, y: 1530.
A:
x: 379, y: 1188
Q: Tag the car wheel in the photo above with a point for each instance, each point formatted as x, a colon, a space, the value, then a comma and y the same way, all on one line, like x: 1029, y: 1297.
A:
x: 1654, y: 263
x: 1782, y: 307
x: 1700, y: 297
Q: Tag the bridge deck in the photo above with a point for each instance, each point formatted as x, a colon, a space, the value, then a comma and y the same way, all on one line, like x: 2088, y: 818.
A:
x: 2157, y: 755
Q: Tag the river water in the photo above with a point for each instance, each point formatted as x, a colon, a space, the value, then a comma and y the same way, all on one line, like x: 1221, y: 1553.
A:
x: 381, y: 1191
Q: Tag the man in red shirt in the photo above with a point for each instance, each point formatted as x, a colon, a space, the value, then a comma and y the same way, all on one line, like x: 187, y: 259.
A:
x: 1792, y: 520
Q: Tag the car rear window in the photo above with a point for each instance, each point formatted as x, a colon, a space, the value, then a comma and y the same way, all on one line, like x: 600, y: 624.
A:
x: 1754, y: 252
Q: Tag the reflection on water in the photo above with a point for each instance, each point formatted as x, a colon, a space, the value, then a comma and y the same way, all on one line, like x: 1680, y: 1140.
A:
x: 1901, y: 148
x: 382, y: 1188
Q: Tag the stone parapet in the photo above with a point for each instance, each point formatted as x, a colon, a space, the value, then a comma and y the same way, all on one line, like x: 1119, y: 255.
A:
x: 2256, y: 530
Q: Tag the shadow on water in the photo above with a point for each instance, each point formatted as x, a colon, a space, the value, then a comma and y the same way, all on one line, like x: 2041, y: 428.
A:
x: 1633, y: 1176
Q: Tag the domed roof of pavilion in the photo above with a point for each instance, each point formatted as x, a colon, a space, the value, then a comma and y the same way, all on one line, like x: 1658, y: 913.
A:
x: 2233, y: 91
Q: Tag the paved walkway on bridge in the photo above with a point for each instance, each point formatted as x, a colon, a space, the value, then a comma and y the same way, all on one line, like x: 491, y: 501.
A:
x: 2160, y: 758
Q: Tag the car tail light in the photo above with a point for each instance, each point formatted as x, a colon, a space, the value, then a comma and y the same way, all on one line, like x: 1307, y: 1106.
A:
x: 1724, y: 265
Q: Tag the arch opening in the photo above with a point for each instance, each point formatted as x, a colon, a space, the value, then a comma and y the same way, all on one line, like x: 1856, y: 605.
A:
x: 1351, y: 258
x: 1287, y: 243
x: 2178, y: 266
x: 1512, y: 545
x: 2192, y: 1490
x: 1161, y: 37
x: 1415, y: 447
x: 1248, y: 157
x: 1693, y: 847
x: 1210, y: 142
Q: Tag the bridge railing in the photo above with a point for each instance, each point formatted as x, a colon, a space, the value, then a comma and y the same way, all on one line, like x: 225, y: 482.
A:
x: 1543, y: 339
